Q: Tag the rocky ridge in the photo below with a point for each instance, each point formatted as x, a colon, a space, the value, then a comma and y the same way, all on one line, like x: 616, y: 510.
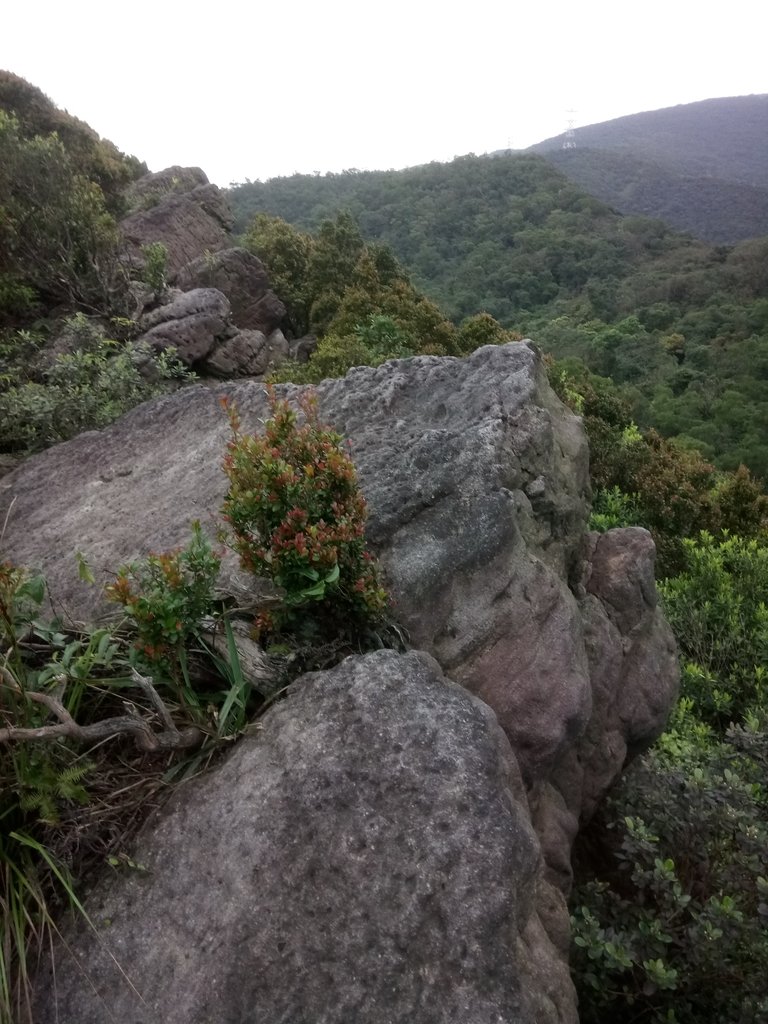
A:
x: 219, y: 313
x: 477, y: 482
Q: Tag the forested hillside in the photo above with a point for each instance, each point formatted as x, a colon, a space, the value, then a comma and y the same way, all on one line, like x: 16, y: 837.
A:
x: 680, y: 325
x: 718, y: 138
x: 710, y: 208
x: 701, y: 167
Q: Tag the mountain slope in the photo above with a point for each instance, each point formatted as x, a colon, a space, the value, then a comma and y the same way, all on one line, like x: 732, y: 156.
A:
x: 682, y: 325
x: 719, y: 138
x: 701, y: 167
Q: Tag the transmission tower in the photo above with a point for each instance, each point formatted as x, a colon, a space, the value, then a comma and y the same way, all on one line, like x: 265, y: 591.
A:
x: 569, y: 140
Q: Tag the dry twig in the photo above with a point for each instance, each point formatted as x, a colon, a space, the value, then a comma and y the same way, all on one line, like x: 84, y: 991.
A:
x: 129, y: 724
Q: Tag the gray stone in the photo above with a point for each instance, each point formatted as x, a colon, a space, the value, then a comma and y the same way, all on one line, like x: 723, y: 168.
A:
x: 366, y: 856
x: 241, y: 276
x: 192, y: 323
x: 477, y: 482
x: 186, y: 224
x: 247, y: 354
x: 301, y: 349
x: 151, y: 188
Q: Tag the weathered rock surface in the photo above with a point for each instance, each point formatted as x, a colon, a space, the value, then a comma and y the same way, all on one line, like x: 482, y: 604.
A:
x: 367, y: 856
x: 186, y: 223
x: 240, y: 276
x: 191, y: 322
x: 477, y: 483
x: 152, y: 187
x: 247, y: 354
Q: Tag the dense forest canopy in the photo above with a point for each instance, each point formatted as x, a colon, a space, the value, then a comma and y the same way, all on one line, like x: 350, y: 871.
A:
x: 681, y: 325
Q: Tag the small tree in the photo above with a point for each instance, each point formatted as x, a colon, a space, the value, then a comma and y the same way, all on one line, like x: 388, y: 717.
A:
x: 298, y: 517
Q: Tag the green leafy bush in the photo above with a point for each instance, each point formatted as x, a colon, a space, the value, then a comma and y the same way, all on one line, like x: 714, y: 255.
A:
x: 56, y: 234
x: 717, y: 608
x: 675, y: 492
x: 676, y: 930
x: 83, y: 389
x: 155, y: 270
x: 374, y: 342
x: 483, y: 329
x: 166, y: 597
x: 298, y: 517
x: 611, y: 508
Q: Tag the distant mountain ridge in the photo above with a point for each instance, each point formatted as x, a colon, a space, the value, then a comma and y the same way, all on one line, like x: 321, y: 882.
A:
x: 701, y: 167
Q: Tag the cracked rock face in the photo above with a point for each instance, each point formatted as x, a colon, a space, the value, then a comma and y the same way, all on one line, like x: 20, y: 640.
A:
x: 477, y: 482
x: 179, y: 208
x: 240, y: 276
x: 367, y: 856
x: 191, y: 323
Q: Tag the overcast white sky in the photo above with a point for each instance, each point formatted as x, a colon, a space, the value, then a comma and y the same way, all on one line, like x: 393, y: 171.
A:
x: 254, y: 89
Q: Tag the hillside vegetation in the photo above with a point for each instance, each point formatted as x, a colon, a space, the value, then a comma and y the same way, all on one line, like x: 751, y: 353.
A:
x: 680, y: 325
x: 718, y: 138
x: 710, y: 208
x: 653, y: 330
x: 701, y: 167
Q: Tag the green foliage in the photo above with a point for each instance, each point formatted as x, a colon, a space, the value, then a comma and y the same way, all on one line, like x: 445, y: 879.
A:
x: 679, y: 323
x: 38, y: 785
x: 374, y: 342
x: 166, y: 596
x: 286, y: 253
x: 94, y: 158
x: 298, y: 517
x: 85, y: 388
x: 677, y: 930
x: 155, y: 270
x: 675, y: 492
x: 717, y: 608
x: 611, y: 509
x: 53, y: 677
x: 384, y: 338
x: 56, y: 234
x: 332, y: 358
x: 337, y: 286
x: 482, y: 329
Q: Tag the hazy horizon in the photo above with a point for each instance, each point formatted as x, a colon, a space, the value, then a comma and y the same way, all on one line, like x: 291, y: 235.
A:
x: 260, y: 94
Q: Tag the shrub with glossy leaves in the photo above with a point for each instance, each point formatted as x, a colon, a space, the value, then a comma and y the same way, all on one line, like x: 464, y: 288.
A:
x: 298, y: 517
x: 717, y: 608
x: 675, y: 928
x: 166, y: 596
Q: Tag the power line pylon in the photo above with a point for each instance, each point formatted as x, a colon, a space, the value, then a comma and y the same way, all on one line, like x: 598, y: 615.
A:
x: 569, y: 141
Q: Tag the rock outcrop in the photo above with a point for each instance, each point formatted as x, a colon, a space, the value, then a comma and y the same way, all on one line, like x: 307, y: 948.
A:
x: 186, y: 222
x: 240, y: 276
x: 386, y: 871
x: 151, y: 188
x: 190, y: 322
x: 477, y: 482
x: 247, y: 354
x: 221, y: 316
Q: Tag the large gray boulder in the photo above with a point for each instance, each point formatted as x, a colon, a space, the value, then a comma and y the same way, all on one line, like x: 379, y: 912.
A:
x: 151, y: 188
x: 477, y: 482
x: 242, y: 277
x: 366, y: 856
x: 190, y: 322
x: 186, y: 222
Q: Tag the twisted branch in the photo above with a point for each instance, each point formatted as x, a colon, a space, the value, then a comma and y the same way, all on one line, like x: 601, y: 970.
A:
x: 129, y: 724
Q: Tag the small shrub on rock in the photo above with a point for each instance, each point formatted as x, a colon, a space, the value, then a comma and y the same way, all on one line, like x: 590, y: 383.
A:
x: 298, y: 517
x: 44, y: 400
x: 166, y: 596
